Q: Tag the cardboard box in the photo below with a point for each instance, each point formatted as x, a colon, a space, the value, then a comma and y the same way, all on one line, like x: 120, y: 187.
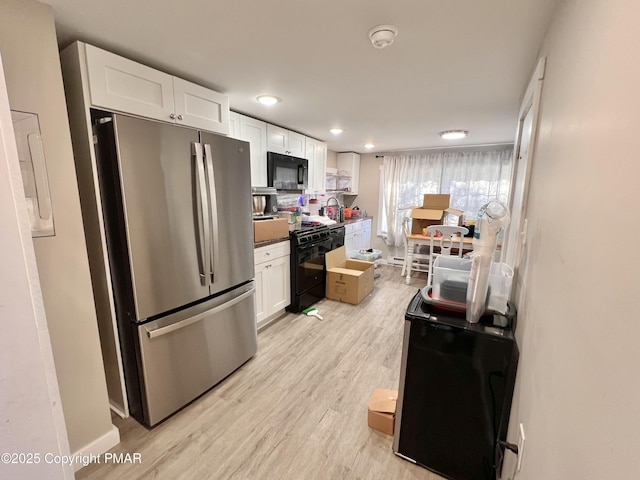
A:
x: 348, y: 280
x: 382, y: 410
x: 270, y: 229
x: 434, y: 209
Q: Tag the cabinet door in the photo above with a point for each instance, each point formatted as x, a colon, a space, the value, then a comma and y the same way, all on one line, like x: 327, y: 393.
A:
x: 234, y: 125
x: 279, y: 284
x: 357, y: 240
x: 262, y: 307
x: 277, y: 139
x: 310, y: 155
x: 296, y: 145
x: 366, y: 234
x: 349, y: 243
x: 199, y: 107
x: 319, y: 167
x: 122, y: 85
x: 350, y: 162
x: 255, y: 132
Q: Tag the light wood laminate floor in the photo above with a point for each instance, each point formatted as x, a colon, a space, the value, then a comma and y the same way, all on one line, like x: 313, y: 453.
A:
x: 297, y: 410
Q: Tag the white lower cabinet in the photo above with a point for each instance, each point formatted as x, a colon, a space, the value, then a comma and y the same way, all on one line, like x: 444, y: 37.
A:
x: 273, y: 280
x: 366, y: 234
x: 357, y: 235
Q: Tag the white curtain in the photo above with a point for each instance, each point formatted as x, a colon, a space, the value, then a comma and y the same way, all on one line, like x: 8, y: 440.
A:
x: 471, y: 177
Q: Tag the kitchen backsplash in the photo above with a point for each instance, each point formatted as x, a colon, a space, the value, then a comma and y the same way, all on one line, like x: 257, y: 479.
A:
x: 287, y: 200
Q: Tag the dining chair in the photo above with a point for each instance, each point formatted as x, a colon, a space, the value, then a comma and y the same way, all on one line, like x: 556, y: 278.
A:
x: 444, y: 237
x: 406, y: 230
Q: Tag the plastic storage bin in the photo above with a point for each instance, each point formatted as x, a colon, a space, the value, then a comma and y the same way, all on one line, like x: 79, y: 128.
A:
x: 500, y: 278
x: 451, y: 279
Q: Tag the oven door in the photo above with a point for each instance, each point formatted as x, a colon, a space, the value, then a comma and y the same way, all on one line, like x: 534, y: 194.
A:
x: 310, y: 270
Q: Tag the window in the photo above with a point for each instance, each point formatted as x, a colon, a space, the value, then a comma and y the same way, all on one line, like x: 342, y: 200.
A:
x: 471, y: 177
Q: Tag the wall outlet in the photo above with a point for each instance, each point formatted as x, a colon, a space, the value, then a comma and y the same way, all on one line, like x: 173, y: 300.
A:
x: 521, y: 438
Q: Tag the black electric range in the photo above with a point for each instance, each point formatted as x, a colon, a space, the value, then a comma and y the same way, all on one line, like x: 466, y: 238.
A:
x: 308, y: 248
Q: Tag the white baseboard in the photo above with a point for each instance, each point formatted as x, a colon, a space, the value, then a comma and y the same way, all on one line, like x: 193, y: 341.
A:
x: 99, y: 446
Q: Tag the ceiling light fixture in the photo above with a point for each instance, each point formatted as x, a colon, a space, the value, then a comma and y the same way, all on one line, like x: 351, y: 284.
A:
x: 336, y: 131
x: 369, y: 145
x: 454, y: 134
x: 268, y: 99
x: 383, y: 35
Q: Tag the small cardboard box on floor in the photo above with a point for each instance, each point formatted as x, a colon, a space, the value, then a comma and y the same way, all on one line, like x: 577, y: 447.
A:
x: 270, y: 229
x: 382, y: 410
x: 348, y: 280
x: 434, y: 209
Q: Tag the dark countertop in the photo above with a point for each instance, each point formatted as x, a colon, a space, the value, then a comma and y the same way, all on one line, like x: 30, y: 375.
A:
x: 286, y: 239
x: 270, y: 242
x: 352, y: 220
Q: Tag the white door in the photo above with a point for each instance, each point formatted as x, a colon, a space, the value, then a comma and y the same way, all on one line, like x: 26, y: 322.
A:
x: 516, y: 235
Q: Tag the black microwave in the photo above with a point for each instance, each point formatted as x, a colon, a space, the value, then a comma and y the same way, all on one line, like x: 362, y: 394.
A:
x: 285, y: 172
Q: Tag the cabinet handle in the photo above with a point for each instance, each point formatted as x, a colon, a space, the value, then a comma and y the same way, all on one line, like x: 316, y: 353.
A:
x: 172, y: 116
x: 267, y: 253
x: 179, y: 117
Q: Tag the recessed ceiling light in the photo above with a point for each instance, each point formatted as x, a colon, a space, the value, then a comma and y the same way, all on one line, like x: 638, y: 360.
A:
x: 369, y: 145
x: 268, y: 99
x: 454, y: 134
x: 336, y: 131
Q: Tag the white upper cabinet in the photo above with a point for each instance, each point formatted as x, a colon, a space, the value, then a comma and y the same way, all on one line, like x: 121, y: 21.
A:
x: 255, y: 132
x: 117, y: 83
x: 349, y: 164
x: 316, y: 153
x: 200, y: 107
x: 285, y: 141
x: 120, y: 84
x: 234, y: 125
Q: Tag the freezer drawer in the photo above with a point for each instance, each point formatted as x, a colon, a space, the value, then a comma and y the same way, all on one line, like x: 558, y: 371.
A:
x: 185, y: 354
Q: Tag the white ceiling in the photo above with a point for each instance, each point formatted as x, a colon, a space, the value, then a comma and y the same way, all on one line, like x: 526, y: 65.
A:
x: 454, y: 64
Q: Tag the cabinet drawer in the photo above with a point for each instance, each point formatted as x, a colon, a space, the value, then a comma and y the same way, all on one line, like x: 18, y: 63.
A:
x: 270, y: 252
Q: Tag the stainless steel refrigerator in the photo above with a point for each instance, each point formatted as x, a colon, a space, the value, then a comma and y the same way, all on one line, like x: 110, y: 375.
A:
x: 177, y: 209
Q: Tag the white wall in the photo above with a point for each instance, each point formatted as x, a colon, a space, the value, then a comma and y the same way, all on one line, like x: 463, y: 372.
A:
x: 578, y: 387
x: 31, y: 418
x: 34, y: 83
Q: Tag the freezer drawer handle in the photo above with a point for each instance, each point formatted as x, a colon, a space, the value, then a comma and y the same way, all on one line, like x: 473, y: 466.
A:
x: 191, y: 320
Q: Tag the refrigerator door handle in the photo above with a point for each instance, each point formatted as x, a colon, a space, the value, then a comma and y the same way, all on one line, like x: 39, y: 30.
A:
x: 204, y: 248
x: 189, y: 321
x: 213, y: 227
